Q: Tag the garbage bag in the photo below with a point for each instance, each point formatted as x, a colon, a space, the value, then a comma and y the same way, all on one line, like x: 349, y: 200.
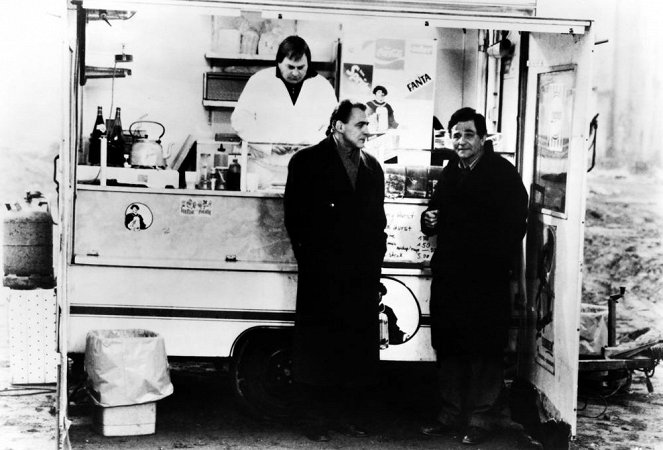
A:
x: 126, y: 367
x: 593, y: 328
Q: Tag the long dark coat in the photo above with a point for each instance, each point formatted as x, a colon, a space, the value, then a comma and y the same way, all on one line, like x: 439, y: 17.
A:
x: 481, y: 223
x: 337, y: 234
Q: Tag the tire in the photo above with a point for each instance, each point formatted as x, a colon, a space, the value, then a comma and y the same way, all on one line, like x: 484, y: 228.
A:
x: 261, y: 375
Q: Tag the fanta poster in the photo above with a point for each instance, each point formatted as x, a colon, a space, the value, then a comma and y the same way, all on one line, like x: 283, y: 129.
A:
x: 396, y: 80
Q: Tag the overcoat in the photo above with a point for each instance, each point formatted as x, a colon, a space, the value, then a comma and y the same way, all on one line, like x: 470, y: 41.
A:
x: 481, y: 223
x: 337, y: 235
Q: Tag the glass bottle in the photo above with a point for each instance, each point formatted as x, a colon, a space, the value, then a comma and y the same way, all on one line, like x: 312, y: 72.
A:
x: 234, y: 176
x: 94, y: 152
x: 384, y: 329
x: 116, y: 142
x: 203, y: 180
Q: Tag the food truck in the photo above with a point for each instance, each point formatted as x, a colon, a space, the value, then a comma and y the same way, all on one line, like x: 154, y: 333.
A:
x: 182, y: 233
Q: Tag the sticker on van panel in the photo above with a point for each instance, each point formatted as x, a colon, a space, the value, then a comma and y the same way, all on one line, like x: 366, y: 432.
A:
x: 196, y: 207
x: 137, y: 217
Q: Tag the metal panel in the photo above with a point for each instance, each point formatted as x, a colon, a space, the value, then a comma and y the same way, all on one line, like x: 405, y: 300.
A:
x: 554, y: 369
x: 203, y: 312
x: 180, y: 228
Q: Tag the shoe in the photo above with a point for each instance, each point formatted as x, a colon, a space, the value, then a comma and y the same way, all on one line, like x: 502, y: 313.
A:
x: 317, y: 434
x: 437, y: 430
x: 474, y: 436
x: 350, y: 429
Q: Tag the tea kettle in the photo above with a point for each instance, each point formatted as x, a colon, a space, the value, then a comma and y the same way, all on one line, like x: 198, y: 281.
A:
x: 147, y: 152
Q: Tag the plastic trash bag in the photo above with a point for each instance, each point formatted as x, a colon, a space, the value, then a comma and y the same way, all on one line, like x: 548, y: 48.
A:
x: 593, y: 329
x: 126, y: 367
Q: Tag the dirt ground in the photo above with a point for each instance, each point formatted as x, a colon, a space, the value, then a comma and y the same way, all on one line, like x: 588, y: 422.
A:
x: 623, y: 248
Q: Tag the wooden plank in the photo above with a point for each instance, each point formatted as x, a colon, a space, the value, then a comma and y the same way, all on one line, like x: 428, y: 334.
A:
x: 595, y: 365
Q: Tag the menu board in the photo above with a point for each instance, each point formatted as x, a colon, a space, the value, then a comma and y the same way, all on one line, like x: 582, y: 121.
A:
x: 405, y: 241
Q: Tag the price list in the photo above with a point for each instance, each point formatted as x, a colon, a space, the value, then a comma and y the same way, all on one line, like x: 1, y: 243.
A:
x: 405, y: 241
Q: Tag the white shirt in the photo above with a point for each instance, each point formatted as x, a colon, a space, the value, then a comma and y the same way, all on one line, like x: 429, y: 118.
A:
x: 265, y: 113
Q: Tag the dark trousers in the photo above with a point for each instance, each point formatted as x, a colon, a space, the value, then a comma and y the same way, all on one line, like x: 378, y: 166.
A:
x: 330, y: 406
x: 469, y: 387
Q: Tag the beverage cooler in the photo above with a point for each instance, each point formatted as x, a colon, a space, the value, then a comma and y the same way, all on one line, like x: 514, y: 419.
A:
x: 170, y: 223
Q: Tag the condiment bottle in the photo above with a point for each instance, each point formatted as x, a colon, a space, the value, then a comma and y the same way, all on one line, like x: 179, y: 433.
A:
x: 213, y: 180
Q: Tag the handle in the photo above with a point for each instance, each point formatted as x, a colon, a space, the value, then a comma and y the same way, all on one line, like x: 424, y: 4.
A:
x: 163, y: 129
x: 166, y: 152
x: 593, y: 127
x: 55, y: 173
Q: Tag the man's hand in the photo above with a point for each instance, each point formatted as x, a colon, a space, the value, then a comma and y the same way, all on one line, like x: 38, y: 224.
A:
x: 430, y: 218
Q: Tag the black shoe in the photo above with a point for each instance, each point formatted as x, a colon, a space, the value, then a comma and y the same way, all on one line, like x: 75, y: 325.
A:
x: 474, y: 436
x: 317, y: 434
x: 350, y: 429
x: 437, y: 430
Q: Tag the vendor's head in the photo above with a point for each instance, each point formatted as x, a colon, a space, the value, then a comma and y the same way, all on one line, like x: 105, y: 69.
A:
x: 380, y: 92
x: 468, y: 133
x: 293, y: 58
x: 348, y: 124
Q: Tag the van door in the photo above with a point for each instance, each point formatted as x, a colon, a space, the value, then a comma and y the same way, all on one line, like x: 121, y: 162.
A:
x: 555, y: 142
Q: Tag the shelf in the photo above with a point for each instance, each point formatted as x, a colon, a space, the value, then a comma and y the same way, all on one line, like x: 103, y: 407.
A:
x: 219, y: 103
x: 106, y: 72
x: 237, y: 59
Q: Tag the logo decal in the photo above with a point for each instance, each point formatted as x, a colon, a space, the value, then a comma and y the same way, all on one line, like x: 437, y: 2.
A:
x: 137, y: 217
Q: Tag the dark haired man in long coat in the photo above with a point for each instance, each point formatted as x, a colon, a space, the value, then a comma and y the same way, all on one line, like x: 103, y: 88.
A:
x: 478, y: 212
x: 334, y: 215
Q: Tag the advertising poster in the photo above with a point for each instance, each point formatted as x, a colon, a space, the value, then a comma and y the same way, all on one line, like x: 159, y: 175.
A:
x: 553, y: 136
x: 404, y: 72
x: 544, y: 300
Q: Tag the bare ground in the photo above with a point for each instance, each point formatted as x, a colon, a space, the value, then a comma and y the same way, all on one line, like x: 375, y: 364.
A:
x: 624, y: 247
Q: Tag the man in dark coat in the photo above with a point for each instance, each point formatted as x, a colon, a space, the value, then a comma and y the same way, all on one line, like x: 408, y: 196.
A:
x: 478, y: 212
x: 334, y: 215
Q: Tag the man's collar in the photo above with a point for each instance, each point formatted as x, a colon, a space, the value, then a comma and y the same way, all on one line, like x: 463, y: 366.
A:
x: 470, y: 164
x: 310, y: 73
x: 344, y: 148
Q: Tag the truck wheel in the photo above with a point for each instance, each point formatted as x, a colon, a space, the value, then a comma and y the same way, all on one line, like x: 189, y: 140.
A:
x: 261, y: 374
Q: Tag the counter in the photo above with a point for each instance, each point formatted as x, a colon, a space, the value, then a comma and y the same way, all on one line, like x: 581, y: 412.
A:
x: 221, y: 230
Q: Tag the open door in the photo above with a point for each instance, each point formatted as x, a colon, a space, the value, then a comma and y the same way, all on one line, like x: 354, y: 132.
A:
x: 555, y: 141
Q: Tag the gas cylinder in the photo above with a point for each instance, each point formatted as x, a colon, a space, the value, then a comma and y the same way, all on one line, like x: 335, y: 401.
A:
x: 27, y: 234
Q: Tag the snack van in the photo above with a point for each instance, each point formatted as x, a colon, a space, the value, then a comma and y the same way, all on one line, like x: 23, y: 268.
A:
x: 165, y: 245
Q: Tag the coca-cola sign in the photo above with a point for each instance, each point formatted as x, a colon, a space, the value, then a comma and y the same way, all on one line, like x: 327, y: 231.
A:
x: 390, y: 53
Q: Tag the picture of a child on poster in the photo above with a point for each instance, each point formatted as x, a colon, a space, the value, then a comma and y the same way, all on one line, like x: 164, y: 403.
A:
x: 381, y: 112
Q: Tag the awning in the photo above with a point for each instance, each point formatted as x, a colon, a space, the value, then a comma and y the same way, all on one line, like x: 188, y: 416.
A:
x: 470, y: 14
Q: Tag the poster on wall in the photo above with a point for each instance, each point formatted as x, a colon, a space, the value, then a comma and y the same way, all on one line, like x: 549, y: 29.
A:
x: 395, y: 78
x: 553, y: 137
x: 544, y: 300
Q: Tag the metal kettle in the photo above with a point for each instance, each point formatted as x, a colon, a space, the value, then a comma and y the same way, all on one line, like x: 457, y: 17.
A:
x: 147, y: 152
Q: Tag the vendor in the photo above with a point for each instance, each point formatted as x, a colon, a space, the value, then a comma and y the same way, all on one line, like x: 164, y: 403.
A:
x: 289, y: 104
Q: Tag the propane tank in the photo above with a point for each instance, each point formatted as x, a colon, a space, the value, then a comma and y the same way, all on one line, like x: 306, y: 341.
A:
x: 27, y: 234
